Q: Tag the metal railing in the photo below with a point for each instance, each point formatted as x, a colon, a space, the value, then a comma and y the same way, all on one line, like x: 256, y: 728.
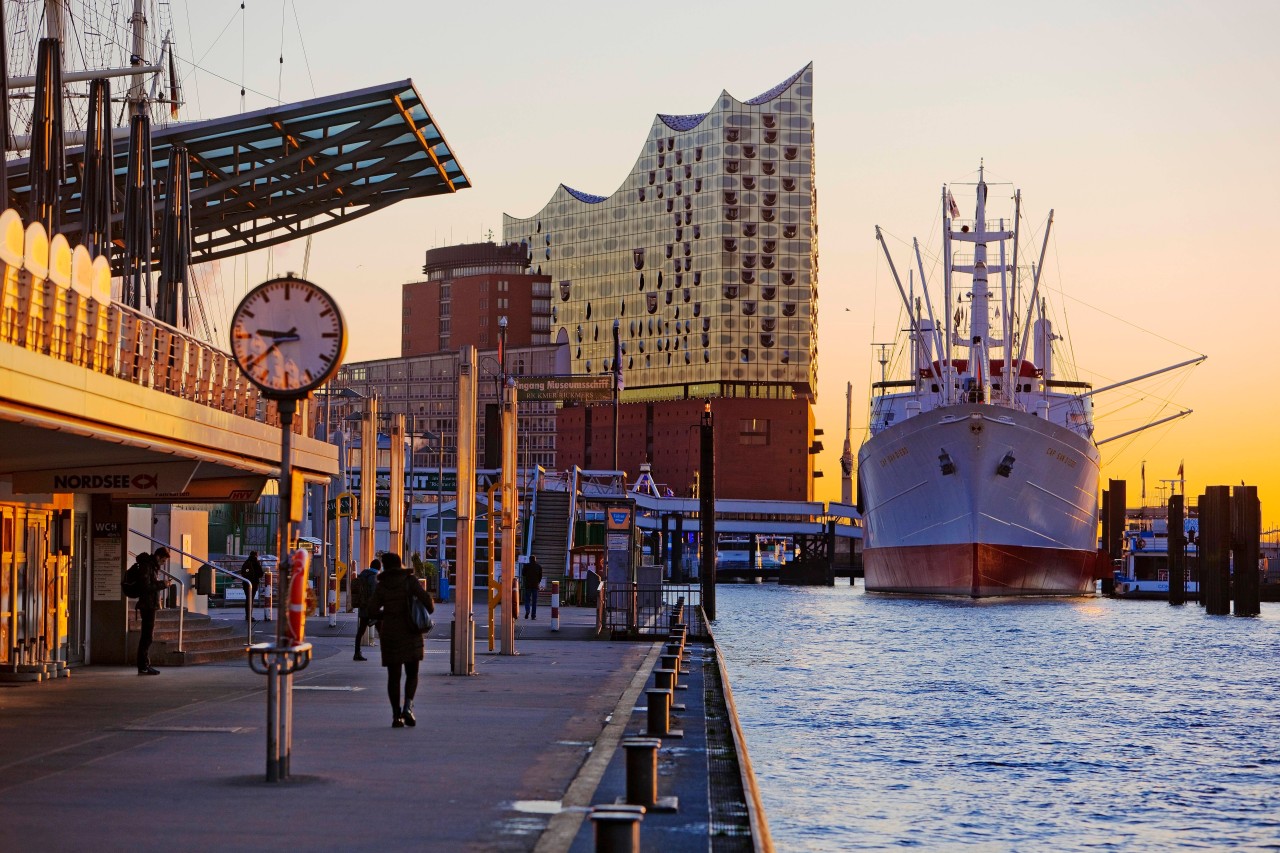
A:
x: 56, y: 300
x: 640, y: 609
x: 182, y: 586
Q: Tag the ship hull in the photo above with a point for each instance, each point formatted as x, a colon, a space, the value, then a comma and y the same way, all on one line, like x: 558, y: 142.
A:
x: 963, y: 525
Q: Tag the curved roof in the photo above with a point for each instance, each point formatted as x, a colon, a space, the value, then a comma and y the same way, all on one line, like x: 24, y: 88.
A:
x: 689, y: 122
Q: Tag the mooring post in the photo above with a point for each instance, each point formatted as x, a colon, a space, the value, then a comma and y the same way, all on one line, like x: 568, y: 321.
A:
x: 642, y: 770
x: 617, y: 828
x: 659, y: 711
x: 1246, y: 530
x: 1177, y: 552
x: 1215, y: 550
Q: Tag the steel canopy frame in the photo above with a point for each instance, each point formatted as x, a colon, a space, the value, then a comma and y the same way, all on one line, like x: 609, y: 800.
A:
x: 270, y: 176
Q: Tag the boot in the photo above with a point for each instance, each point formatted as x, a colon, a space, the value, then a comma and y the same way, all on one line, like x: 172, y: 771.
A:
x: 397, y: 718
x: 409, y: 718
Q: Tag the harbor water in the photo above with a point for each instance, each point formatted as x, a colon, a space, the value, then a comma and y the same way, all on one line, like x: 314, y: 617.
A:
x: 880, y: 722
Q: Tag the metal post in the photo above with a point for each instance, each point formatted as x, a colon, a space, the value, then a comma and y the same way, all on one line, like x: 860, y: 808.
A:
x: 413, y: 470
x: 707, y: 512
x: 510, y: 509
x: 368, y: 483
x: 463, y: 657
x: 617, y: 376
x: 286, y: 408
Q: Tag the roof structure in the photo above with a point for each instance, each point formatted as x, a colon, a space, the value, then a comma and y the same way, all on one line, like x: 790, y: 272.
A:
x: 273, y: 175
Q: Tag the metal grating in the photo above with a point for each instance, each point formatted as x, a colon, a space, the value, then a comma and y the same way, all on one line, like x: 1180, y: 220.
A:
x: 729, y: 824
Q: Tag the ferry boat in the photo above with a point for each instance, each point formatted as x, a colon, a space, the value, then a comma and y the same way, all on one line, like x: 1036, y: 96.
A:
x: 980, y: 474
x: 1143, y: 570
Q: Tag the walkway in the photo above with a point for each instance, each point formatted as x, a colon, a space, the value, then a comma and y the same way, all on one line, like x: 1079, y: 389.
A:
x: 106, y: 760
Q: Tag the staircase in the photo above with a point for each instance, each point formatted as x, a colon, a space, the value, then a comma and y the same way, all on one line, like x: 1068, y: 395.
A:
x: 203, y: 639
x: 551, y: 535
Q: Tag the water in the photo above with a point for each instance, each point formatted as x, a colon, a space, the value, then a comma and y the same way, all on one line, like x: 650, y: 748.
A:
x: 1051, y: 724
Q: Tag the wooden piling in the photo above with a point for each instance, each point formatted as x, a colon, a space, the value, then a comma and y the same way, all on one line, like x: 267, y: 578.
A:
x: 1215, y: 550
x: 1246, y: 530
x: 1177, y: 552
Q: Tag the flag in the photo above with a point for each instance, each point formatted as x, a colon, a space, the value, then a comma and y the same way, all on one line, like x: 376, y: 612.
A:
x: 951, y: 204
x: 1144, y: 482
x: 1179, y: 469
x: 173, y: 86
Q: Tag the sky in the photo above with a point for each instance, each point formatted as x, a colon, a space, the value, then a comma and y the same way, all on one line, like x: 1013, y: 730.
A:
x: 1150, y: 128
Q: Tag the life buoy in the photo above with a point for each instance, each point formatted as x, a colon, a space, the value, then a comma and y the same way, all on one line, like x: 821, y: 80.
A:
x: 1138, y: 543
x: 299, y: 565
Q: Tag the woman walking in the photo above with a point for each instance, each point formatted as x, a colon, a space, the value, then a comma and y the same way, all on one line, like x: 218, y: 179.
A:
x: 402, y: 644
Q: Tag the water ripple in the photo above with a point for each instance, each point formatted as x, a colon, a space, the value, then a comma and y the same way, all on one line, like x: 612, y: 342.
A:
x: 878, y: 722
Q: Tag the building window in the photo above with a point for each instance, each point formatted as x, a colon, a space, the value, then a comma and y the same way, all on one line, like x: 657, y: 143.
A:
x: 753, y: 431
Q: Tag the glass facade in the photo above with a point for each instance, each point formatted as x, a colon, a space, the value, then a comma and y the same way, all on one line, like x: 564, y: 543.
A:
x: 707, y: 254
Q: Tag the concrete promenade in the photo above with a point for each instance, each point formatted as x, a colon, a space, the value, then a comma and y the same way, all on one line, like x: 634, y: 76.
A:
x: 109, y: 760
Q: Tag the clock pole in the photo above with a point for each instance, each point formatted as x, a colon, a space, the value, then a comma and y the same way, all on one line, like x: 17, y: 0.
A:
x: 286, y: 406
x: 288, y: 338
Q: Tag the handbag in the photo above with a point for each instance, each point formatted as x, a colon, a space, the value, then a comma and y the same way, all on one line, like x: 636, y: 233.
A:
x: 419, y: 616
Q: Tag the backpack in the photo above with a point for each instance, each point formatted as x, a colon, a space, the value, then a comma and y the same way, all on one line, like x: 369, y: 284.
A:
x: 362, y: 589
x: 133, y: 582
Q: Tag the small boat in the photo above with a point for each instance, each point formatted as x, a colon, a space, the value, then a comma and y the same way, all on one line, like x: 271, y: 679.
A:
x: 1143, y: 570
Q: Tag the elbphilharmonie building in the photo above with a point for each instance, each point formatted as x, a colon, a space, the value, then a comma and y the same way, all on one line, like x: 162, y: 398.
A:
x: 706, y: 255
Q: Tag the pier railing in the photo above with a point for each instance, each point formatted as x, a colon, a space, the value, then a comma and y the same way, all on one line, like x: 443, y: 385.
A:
x: 56, y: 300
x: 647, y: 609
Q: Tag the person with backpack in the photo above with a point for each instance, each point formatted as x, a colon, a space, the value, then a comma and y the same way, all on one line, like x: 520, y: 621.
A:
x: 251, y: 570
x: 402, y: 642
x: 532, y: 576
x: 147, y: 582
x: 362, y: 597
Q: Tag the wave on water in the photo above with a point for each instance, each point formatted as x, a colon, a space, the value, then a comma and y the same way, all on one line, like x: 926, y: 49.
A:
x: 1023, y: 724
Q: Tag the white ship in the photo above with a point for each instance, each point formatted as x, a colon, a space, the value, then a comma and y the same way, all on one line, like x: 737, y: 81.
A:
x: 980, y: 473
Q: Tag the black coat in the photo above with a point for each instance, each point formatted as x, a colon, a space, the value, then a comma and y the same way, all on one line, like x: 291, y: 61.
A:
x: 399, y: 640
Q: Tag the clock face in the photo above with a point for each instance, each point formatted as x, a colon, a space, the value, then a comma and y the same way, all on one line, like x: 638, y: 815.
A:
x: 288, y: 336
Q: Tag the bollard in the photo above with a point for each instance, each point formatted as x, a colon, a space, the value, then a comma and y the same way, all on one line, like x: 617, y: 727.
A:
x: 642, y: 770
x: 617, y: 828
x: 659, y: 711
x: 675, y: 649
x: 671, y: 662
x: 664, y: 678
x: 555, y: 605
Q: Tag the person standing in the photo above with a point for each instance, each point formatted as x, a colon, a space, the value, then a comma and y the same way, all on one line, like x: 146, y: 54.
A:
x: 148, y: 603
x: 532, y: 576
x: 362, y: 598
x: 402, y: 644
x: 251, y: 570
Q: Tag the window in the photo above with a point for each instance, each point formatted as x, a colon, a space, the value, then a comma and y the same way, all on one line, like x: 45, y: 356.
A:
x: 753, y: 431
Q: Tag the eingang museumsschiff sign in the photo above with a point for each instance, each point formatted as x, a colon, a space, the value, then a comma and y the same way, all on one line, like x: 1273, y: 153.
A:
x: 568, y: 389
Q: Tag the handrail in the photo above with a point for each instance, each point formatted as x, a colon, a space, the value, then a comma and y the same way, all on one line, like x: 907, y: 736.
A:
x: 202, y: 562
x: 573, y: 517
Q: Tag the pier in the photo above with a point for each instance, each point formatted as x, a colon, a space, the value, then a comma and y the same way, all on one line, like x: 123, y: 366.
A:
x: 513, y: 758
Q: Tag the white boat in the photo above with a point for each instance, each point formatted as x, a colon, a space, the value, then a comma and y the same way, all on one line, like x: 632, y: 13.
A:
x: 980, y: 474
x: 1143, y: 571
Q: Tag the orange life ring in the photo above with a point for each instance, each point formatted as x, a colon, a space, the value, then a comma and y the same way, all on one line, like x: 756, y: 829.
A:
x: 1138, y: 543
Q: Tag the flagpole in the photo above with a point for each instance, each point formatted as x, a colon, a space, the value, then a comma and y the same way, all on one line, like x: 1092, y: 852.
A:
x: 617, y: 388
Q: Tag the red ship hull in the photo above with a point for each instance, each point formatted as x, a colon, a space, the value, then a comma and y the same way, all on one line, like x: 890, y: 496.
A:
x: 978, y: 570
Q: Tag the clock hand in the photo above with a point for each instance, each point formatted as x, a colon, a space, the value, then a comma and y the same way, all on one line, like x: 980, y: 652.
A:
x: 292, y: 334
x: 253, y: 362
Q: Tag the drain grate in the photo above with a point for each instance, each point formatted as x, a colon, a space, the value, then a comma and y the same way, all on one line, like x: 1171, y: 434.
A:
x: 730, y: 827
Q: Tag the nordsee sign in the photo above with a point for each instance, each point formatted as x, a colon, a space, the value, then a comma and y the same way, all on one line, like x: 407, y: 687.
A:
x: 140, y: 479
x: 568, y: 389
